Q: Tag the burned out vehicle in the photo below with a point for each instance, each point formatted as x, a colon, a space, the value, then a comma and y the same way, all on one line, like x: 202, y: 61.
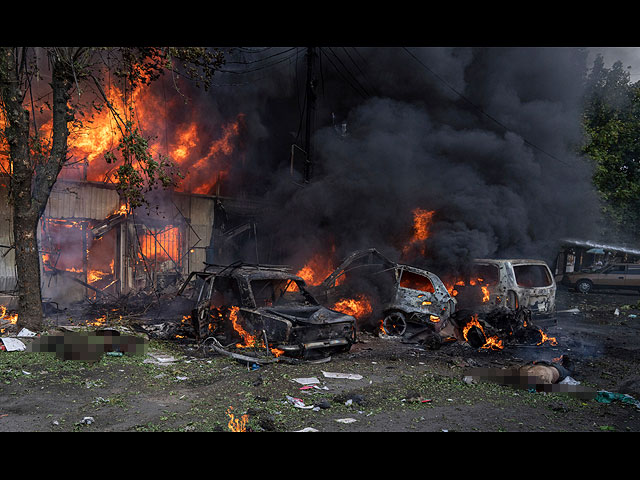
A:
x: 513, y: 283
x: 403, y: 297
x: 249, y: 305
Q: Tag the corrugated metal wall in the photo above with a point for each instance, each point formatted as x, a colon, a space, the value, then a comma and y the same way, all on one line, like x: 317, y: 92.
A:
x: 81, y: 200
x: 7, y: 256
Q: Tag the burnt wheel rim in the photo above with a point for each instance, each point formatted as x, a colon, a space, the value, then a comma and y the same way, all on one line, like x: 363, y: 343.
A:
x: 394, y: 324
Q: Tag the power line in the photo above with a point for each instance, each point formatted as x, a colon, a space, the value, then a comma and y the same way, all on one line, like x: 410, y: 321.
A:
x: 349, y: 72
x: 343, y: 77
x: 263, y: 67
x: 263, y: 58
x: 360, y: 69
x: 497, y: 122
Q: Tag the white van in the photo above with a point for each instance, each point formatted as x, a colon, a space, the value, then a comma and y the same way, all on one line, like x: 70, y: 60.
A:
x: 517, y: 283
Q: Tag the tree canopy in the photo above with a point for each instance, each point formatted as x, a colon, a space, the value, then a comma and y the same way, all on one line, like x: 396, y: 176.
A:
x: 612, y: 126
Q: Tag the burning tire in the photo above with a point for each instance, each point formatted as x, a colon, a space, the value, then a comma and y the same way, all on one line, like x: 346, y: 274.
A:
x: 394, y: 324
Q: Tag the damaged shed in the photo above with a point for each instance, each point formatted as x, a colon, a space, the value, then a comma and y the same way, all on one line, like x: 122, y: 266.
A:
x: 91, y: 245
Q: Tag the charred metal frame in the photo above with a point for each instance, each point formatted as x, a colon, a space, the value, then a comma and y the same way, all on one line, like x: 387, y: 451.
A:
x: 295, y: 329
x: 430, y: 309
x: 508, y: 293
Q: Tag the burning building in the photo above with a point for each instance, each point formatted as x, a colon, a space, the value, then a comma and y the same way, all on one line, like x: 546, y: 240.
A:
x: 93, y: 246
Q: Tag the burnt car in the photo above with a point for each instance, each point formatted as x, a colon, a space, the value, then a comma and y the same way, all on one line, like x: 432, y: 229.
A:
x: 514, y: 283
x: 405, y: 297
x: 618, y: 276
x: 264, y: 304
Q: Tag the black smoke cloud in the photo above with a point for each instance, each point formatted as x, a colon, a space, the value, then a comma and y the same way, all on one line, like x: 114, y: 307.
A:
x: 486, y: 137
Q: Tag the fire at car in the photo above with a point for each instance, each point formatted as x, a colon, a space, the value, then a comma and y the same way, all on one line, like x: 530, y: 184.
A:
x: 247, y: 306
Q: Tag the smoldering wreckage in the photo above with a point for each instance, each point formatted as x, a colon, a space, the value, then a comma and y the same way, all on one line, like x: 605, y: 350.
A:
x: 261, y: 314
x: 129, y: 274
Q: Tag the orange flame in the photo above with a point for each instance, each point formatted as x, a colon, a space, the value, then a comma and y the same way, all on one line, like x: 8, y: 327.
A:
x: 200, y: 177
x: 316, y: 269
x: 421, y: 222
x: 493, y: 343
x: 248, y: 340
x: 485, y: 293
x: 98, y: 321
x: 381, y: 330
x: 358, y: 307
x: 237, y: 424
x: 162, y: 245
x: 451, y: 287
x: 13, y: 318
x: 545, y: 338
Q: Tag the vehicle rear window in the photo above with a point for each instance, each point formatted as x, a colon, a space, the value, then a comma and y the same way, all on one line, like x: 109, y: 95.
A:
x: 633, y: 270
x: 532, y: 275
x: 416, y: 282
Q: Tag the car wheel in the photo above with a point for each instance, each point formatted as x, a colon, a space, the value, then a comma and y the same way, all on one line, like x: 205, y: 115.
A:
x: 584, y: 286
x: 394, y: 324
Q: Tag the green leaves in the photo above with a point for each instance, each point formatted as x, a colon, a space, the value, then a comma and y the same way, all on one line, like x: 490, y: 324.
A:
x: 612, y: 127
x: 139, y: 172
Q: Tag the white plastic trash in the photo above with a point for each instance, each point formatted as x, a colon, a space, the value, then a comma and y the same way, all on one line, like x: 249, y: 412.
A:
x: 13, y: 344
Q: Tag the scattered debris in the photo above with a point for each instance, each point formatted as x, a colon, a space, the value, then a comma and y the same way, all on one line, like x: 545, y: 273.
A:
x: 160, y: 359
x: 25, y: 332
x: 306, y: 381
x: 349, y: 376
x: 416, y: 399
x: 346, y: 420
x: 604, y: 396
x: 574, y: 311
x: 298, y: 403
x: 13, y: 344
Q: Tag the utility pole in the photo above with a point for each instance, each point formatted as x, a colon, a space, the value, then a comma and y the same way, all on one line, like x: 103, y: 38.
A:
x: 310, y: 108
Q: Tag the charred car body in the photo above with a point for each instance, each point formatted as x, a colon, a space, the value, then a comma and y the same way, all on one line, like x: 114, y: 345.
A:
x: 513, y: 283
x: 266, y: 304
x: 405, y: 296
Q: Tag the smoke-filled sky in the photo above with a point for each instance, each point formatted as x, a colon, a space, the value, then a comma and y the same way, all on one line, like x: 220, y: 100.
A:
x: 485, y: 137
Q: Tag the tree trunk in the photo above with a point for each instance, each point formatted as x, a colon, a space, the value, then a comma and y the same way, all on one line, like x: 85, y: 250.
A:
x: 25, y: 234
x: 32, y: 178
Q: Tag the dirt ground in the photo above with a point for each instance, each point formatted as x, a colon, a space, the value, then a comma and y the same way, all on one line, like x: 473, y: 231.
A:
x: 398, y: 387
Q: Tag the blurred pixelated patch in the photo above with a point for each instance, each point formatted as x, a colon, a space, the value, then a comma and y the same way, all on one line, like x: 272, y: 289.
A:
x: 89, y: 346
x: 541, y: 378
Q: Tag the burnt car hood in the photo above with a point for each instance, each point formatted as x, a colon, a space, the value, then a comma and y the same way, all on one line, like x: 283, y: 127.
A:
x: 315, y: 314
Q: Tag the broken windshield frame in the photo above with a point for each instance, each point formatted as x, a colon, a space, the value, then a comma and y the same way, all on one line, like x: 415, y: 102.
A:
x: 280, y: 295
